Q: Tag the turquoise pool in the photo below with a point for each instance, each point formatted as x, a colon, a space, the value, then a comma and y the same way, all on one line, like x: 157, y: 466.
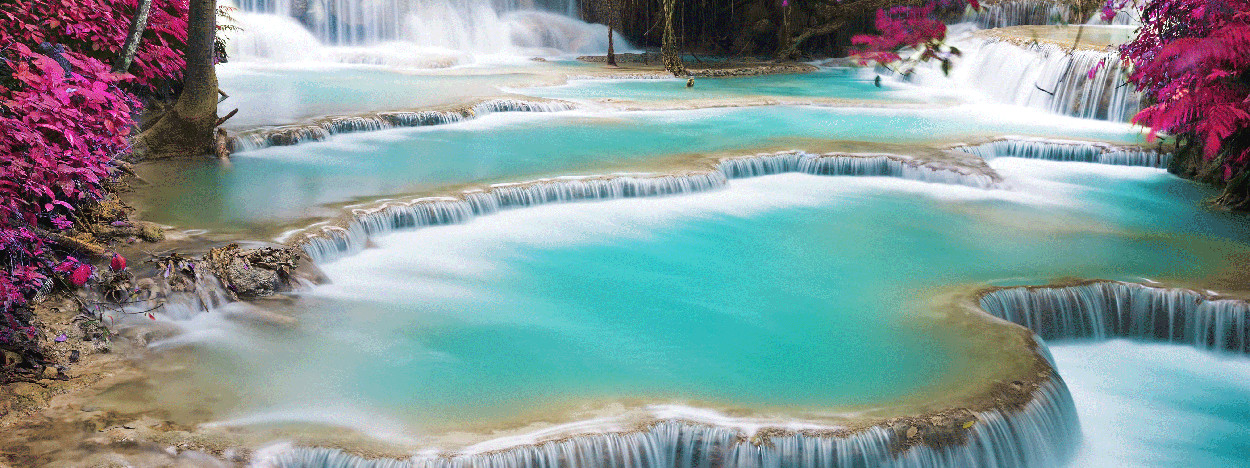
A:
x: 792, y: 293
x: 278, y: 184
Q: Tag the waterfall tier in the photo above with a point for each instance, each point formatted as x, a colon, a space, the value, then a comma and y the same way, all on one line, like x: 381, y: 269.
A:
x: 334, y: 242
x: 1108, y: 309
x: 323, y: 129
x: 1044, y: 433
x: 963, y: 172
x: 1077, y: 151
x: 1020, y: 12
x: 1083, y: 83
x: 273, y: 29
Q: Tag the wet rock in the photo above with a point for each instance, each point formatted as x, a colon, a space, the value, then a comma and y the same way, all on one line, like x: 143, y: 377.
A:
x: 254, y: 273
x: 150, y: 232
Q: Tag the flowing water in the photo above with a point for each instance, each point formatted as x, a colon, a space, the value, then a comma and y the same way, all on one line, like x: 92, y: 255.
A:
x: 839, y: 83
x: 1157, y: 405
x: 643, y: 280
x: 726, y: 299
x: 295, y: 181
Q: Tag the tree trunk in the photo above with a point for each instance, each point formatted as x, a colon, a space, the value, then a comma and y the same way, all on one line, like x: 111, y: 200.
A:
x: 668, y: 48
x: 137, y: 25
x: 611, y: 49
x: 187, y: 129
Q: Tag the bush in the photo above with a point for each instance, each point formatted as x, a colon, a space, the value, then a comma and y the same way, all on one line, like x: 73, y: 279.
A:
x: 64, y: 119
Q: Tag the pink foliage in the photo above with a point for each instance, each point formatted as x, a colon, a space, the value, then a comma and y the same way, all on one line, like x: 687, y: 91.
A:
x: 98, y: 28
x: 903, y: 28
x: 64, y: 118
x: 1192, y: 59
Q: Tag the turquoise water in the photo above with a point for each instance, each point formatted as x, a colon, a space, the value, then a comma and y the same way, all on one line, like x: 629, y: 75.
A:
x: 794, y: 291
x: 284, y: 183
x: 840, y: 83
x: 283, y: 94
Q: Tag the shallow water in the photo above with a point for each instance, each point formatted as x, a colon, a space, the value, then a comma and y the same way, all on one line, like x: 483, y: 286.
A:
x: 840, y: 83
x: 793, y: 296
x: 1158, y: 404
x: 795, y: 293
x: 277, y: 94
x: 284, y: 183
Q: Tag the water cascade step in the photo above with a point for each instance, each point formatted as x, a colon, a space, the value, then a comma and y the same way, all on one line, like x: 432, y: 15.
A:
x: 470, y: 26
x: 1042, y: 434
x: 327, y: 127
x: 1109, y: 309
x: 1020, y: 12
x: 334, y: 242
x: 1073, y: 151
x: 1082, y: 83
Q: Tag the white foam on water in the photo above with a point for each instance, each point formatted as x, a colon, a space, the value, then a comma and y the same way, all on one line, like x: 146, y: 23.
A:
x: 333, y: 413
x: 410, y: 33
x: 1140, y: 404
x: 451, y: 258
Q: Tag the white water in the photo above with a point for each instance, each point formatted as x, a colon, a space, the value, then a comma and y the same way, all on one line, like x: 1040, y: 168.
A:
x: 332, y: 243
x: 411, y: 33
x: 1103, y: 310
x: 1040, y: 435
x: 1072, y: 151
x: 1157, y: 404
x: 1020, y: 12
x: 1052, y: 78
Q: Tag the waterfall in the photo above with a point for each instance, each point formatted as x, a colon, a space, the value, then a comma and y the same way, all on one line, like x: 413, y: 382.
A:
x: 1042, y: 434
x: 1108, y: 309
x: 471, y: 26
x: 1020, y: 12
x: 1058, y: 150
x: 334, y: 242
x: 1083, y: 83
x: 325, y: 128
x: 858, y: 165
x: 513, y: 105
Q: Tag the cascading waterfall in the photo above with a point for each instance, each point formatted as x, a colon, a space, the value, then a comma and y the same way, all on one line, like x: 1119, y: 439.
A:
x: 334, y: 242
x: 1108, y: 309
x: 1019, y: 12
x: 1042, y: 434
x: 514, y: 105
x: 470, y: 26
x: 296, y: 134
x: 1083, y: 83
x: 857, y: 165
x: 1079, y: 151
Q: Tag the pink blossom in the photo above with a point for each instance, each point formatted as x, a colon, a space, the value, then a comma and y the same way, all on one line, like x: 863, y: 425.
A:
x: 80, y: 275
x: 118, y: 263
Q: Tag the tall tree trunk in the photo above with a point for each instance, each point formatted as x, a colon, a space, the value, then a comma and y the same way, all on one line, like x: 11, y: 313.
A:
x: 611, y: 49
x: 187, y: 129
x: 668, y: 48
x: 138, y: 24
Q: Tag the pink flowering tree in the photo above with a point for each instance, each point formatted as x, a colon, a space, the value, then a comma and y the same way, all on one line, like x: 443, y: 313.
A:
x: 1192, y: 61
x: 64, y: 120
x: 917, y: 31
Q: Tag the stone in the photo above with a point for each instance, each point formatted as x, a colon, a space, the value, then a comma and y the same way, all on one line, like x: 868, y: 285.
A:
x: 150, y: 232
x: 253, y: 273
